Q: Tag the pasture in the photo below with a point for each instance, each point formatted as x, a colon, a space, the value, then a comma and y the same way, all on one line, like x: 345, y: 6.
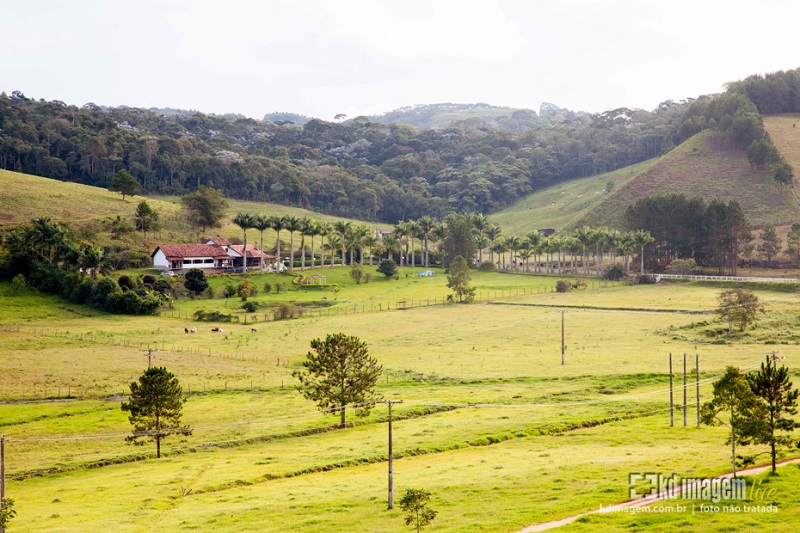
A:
x: 492, y: 424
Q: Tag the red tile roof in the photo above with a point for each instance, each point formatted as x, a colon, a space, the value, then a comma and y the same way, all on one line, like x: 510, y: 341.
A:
x: 180, y: 251
x: 252, y: 251
x: 222, y: 241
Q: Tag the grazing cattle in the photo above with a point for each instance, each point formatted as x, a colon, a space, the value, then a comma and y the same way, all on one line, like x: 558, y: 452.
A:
x: 252, y: 330
x: 186, y: 330
x: 221, y: 330
x: 214, y: 330
x: 194, y: 330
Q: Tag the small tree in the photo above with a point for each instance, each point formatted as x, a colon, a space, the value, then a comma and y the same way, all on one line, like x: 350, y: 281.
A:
x: 388, y: 268
x: 7, y: 512
x: 205, y: 207
x: 196, y: 281
x: 245, y: 289
x: 793, y: 244
x: 770, y: 243
x: 773, y: 387
x: 734, y: 405
x: 339, y: 372
x: 459, y: 277
x: 124, y: 183
x: 739, y: 307
x: 357, y: 273
x: 415, y: 504
x: 145, y: 218
x: 155, y: 408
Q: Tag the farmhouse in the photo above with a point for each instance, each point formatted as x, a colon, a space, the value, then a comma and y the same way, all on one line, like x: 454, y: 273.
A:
x: 215, y: 255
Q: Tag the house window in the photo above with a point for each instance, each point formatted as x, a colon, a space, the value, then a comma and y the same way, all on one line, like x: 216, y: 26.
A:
x: 209, y: 261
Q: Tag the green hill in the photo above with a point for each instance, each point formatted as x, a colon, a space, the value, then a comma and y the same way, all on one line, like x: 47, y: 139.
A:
x: 705, y: 166
x: 562, y: 205
x: 785, y: 135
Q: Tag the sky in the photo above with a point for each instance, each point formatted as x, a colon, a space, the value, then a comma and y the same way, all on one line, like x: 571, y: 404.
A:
x: 325, y: 57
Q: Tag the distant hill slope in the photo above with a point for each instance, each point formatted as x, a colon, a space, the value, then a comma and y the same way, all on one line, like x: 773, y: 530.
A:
x: 430, y: 116
x: 561, y: 206
x: 705, y: 166
x: 785, y: 133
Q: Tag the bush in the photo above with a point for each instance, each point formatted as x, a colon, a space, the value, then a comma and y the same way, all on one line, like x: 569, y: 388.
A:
x: 246, y: 289
x: 18, y: 285
x: 250, y: 307
x: 487, y: 266
x: 229, y: 291
x: 125, y: 283
x: 214, y: 316
x: 285, y: 311
x: 101, y: 292
x: 149, y: 280
x: 388, y: 268
x: 615, y: 273
x: 267, y: 288
x: 280, y: 287
x: 82, y: 292
x: 163, y: 286
x: 645, y: 279
x: 210, y: 292
x: 579, y: 284
x: 563, y: 285
x: 357, y: 273
x: 195, y: 281
x: 367, y: 277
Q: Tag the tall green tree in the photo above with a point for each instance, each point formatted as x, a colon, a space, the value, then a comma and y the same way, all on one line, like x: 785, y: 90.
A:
x: 205, y: 208
x: 773, y: 387
x: 195, y: 280
x: 155, y: 408
x: 793, y: 244
x: 278, y: 224
x: 415, y: 504
x: 292, y: 224
x: 738, y: 306
x: 458, y: 240
x: 770, y: 243
x: 145, y: 218
x: 245, y: 221
x: 340, y: 372
x: 735, y: 406
x: 641, y: 238
x: 458, y: 279
x: 261, y: 223
x: 125, y: 184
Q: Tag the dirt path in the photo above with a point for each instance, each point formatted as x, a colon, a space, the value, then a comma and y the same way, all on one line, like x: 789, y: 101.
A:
x: 644, y: 501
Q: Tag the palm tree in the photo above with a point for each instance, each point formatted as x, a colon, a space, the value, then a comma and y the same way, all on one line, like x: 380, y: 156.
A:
x: 493, y: 232
x: 481, y: 241
x: 534, y: 239
x: 245, y: 221
x: 642, y: 238
x: 613, y: 238
x: 262, y: 223
x: 585, y: 237
x: 302, y: 227
x: 278, y: 223
x: 480, y: 223
x: 413, y: 232
x: 324, y: 231
x: 401, y: 231
x: 525, y: 254
x: 514, y: 244
x: 342, y: 227
x: 95, y: 260
x: 292, y: 224
x: 313, y: 230
x: 499, y: 246
x: 426, y: 225
x: 359, y: 234
x: 392, y: 245
x: 624, y: 248
x: 599, y: 239
x: 334, y: 243
x: 370, y: 241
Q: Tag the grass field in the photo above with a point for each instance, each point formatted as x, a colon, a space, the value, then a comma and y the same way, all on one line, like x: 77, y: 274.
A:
x: 492, y: 424
x: 704, y: 166
x: 562, y: 205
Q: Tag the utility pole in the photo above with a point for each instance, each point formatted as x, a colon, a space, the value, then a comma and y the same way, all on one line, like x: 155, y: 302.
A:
x: 391, y: 465
x: 671, y: 402
x: 562, y: 337
x: 149, y: 354
x: 684, y: 389
x: 697, y: 383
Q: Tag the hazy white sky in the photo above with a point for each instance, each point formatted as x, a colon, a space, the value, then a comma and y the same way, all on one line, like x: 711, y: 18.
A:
x: 323, y: 57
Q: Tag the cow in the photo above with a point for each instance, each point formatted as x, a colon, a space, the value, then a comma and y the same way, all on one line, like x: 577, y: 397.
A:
x: 186, y: 330
x: 252, y: 330
x: 214, y: 330
x: 194, y: 330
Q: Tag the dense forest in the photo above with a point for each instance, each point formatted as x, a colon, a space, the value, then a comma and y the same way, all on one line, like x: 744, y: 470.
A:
x: 368, y: 169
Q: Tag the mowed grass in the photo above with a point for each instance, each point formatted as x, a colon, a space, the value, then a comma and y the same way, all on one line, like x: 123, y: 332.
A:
x: 561, y: 206
x: 708, y: 167
x: 493, y: 424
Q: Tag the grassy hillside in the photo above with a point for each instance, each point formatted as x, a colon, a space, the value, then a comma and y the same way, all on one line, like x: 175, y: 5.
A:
x: 24, y: 197
x: 704, y: 166
x: 785, y: 134
x: 560, y: 206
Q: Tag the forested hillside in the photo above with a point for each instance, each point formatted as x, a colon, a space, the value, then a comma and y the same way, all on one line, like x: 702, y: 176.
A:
x: 359, y: 168
x: 377, y: 171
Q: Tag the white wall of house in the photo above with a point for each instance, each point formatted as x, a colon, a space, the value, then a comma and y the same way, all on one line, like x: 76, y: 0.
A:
x: 160, y: 260
x: 198, y: 262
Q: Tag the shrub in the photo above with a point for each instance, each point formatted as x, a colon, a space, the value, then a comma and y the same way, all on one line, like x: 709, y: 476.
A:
x: 615, y: 273
x: 357, y: 273
x: 229, y: 291
x: 280, y: 287
x: 487, y: 266
x: 645, y: 279
x: 81, y: 293
x: 250, y: 307
x: 102, y: 290
x: 579, y: 284
x: 563, y: 285
x: 267, y: 288
x: 210, y: 292
x: 18, y: 285
x: 285, y: 311
x: 125, y: 283
x: 149, y: 280
x: 163, y: 286
x: 246, y: 289
x: 367, y: 277
x: 195, y: 281
x: 388, y: 268
x: 214, y: 316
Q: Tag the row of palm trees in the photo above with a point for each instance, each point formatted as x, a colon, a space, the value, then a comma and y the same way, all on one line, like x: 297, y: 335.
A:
x: 551, y: 254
